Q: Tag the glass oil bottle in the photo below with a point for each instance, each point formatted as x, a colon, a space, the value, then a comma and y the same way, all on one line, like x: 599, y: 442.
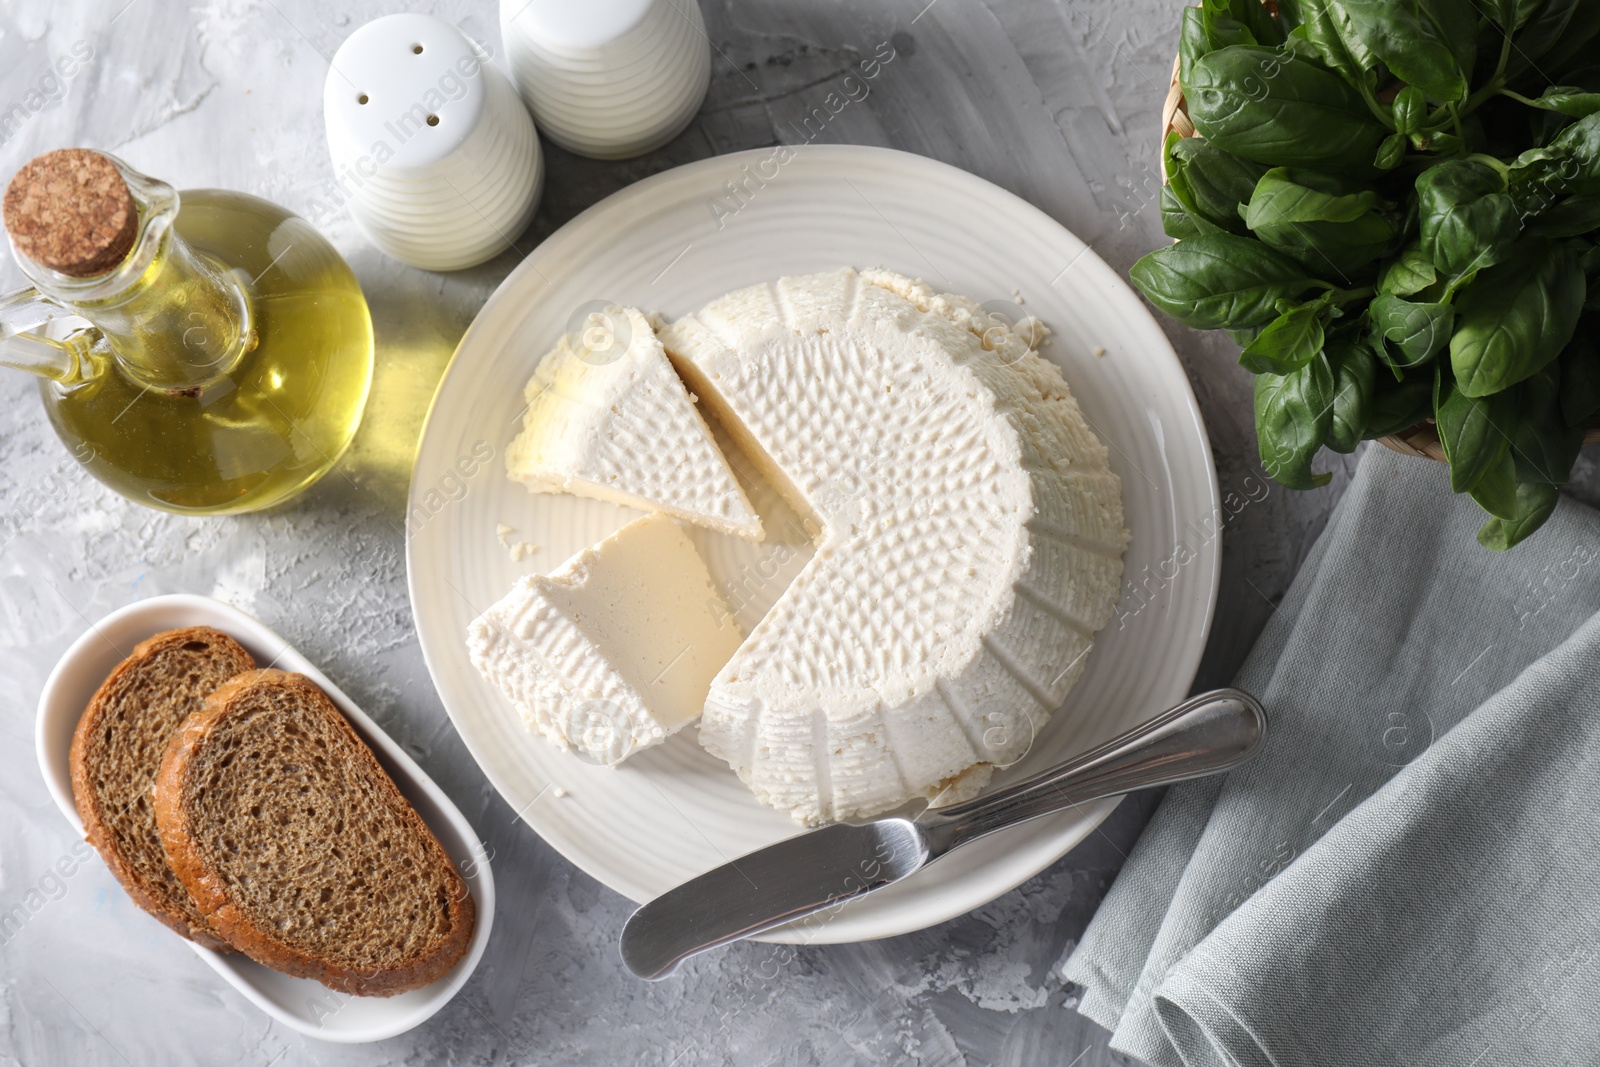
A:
x: 205, y: 354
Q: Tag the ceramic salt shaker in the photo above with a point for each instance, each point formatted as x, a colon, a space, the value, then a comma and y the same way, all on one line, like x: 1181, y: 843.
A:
x: 608, y: 79
x: 437, y: 158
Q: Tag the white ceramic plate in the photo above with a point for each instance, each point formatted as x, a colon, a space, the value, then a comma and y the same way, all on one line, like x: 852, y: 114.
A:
x: 672, y: 812
x: 299, y: 1003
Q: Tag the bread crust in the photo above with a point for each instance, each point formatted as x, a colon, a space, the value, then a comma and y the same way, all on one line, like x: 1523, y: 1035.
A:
x: 91, y: 806
x: 209, y: 890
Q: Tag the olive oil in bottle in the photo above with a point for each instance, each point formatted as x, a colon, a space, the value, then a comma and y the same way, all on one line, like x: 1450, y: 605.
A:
x: 220, y: 362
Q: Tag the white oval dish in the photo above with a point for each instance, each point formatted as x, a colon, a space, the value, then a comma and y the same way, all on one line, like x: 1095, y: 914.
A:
x: 669, y: 244
x: 299, y: 1003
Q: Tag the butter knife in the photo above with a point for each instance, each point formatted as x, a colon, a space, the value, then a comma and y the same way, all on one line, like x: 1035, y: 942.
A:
x: 820, y: 870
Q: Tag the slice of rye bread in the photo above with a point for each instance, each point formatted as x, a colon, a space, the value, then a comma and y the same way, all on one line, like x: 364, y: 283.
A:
x: 299, y: 848
x: 117, y: 749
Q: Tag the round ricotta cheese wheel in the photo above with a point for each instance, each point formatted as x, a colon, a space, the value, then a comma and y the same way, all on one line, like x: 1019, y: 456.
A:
x: 969, y: 540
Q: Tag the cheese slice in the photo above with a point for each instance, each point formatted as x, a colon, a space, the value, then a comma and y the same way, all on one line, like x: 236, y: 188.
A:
x: 607, y: 418
x: 614, y: 651
x: 971, y: 540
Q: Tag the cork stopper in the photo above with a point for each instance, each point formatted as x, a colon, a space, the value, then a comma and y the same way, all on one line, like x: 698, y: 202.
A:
x: 70, y: 210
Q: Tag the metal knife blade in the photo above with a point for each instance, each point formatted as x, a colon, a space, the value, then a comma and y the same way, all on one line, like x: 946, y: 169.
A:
x: 805, y: 875
x: 816, y: 871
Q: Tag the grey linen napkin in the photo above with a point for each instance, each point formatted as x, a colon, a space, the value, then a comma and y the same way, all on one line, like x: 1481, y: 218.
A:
x: 1409, y: 871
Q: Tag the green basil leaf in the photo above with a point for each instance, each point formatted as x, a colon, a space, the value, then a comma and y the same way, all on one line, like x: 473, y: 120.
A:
x: 1175, y: 221
x: 1193, y: 42
x: 1224, y: 30
x: 1580, y: 381
x: 1533, y: 163
x: 1293, y: 414
x: 1301, y: 48
x: 1249, y: 15
x: 1467, y: 220
x: 1270, y: 106
x: 1321, y: 32
x: 1575, y: 41
x: 1408, y: 273
x: 1519, y: 315
x: 1457, y: 23
x: 1581, y: 143
x: 1552, y: 22
x: 1472, y: 431
x: 1254, y: 14
x: 1219, y: 280
x: 1526, y: 9
x: 1496, y: 491
x: 1545, y: 126
x: 1288, y: 343
x: 1543, y: 445
x: 1568, y: 100
x: 1410, y: 110
x: 1417, y: 330
x: 1360, y: 54
x: 1573, y: 216
x: 1510, y: 15
x: 1306, y: 196
x: 1330, y: 226
x: 1418, y: 40
x: 1225, y: 180
x: 1355, y: 378
x: 1178, y: 185
x: 1534, y: 504
x: 1539, y: 176
x: 1391, y: 152
x: 1210, y: 183
x: 1398, y: 406
x: 1441, y: 143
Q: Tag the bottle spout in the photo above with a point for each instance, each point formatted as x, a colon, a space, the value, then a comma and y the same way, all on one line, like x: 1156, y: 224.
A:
x: 43, y: 338
x: 99, y: 239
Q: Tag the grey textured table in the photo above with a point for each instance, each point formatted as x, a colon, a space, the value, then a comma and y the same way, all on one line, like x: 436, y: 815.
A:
x: 1056, y: 100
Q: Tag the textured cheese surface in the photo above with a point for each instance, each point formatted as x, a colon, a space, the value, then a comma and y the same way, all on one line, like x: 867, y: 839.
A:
x: 607, y: 418
x: 614, y: 651
x: 971, y: 544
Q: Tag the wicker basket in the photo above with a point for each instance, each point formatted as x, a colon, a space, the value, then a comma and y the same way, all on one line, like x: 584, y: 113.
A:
x: 1421, y: 439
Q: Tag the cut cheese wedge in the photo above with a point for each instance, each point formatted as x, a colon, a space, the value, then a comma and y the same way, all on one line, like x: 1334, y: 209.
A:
x: 971, y: 540
x: 607, y: 418
x: 614, y: 651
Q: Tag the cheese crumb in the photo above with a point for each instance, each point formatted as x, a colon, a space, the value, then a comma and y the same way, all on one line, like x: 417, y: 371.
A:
x: 522, y: 550
x: 558, y: 792
x: 504, y: 532
x: 1098, y: 351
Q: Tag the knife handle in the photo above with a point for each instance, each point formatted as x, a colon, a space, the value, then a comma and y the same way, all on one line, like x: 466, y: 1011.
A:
x: 1204, y: 735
